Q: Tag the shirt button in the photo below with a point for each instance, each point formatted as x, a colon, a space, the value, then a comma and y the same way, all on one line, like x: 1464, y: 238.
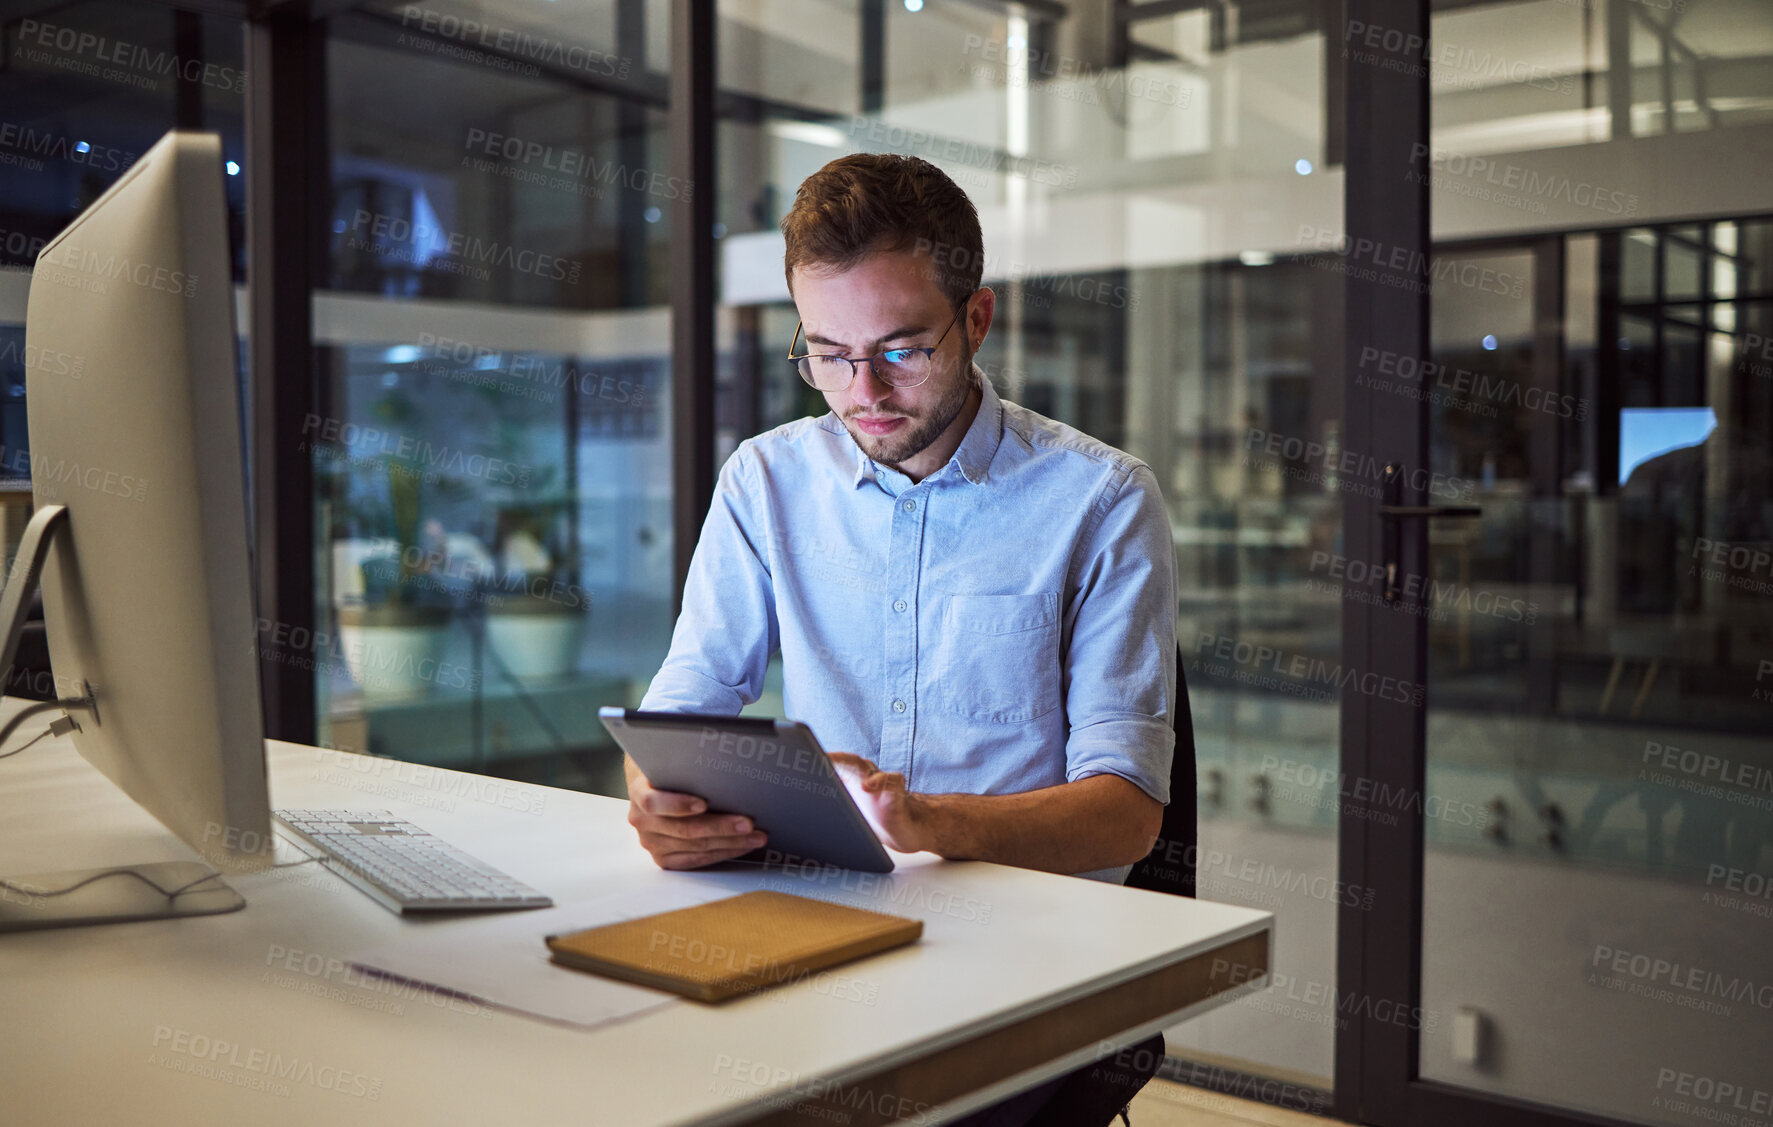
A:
x: 900, y: 605
x: 898, y: 706
x: 909, y: 506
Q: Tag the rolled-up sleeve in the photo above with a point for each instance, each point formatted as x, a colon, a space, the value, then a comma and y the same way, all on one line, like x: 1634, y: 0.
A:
x: 727, y: 630
x: 1120, y: 665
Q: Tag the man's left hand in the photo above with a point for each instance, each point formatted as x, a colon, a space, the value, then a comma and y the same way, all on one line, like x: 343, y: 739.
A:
x: 891, y: 810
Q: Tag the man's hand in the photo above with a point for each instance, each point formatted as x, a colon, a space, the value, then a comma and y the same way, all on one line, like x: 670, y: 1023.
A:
x: 891, y: 810
x: 1097, y: 822
x: 679, y: 832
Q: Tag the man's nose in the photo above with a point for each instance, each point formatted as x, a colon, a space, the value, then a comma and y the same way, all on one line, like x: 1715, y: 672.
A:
x: 867, y: 388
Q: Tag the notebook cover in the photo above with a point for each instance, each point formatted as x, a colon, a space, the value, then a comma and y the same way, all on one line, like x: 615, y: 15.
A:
x: 734, y: 946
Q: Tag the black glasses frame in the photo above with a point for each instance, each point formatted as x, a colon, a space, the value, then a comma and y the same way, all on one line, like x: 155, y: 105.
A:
x: 929, y: 352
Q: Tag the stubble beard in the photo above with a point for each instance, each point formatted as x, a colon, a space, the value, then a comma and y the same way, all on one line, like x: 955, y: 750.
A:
x: 895, y: 449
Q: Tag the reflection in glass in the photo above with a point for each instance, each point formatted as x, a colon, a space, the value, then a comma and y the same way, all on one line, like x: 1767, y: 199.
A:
x: 1600, y: 630
x: 492, y: 464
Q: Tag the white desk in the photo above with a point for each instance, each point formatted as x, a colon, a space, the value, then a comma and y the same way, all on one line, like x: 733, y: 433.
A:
x: 1019, y: 976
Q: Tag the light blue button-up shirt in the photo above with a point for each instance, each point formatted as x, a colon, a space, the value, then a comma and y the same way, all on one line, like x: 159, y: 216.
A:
x: 1006, y: 624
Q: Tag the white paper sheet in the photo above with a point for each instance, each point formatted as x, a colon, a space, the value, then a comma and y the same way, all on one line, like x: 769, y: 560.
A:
x: 502, y: 960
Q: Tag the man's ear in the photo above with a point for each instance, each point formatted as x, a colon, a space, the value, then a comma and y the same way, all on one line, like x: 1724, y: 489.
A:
x: 981, y: 307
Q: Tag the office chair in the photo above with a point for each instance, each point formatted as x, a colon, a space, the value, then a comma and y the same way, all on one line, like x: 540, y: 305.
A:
x: 1170, y: 866
x: 1103, y: 1093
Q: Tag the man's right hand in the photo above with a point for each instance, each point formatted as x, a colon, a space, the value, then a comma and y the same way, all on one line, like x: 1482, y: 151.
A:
x: 677, y: 830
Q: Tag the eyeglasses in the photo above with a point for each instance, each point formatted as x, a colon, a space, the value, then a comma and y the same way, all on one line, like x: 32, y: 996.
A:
x: 900, y: 367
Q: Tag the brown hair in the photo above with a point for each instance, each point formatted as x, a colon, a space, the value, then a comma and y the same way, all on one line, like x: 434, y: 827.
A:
x: 867, y: 203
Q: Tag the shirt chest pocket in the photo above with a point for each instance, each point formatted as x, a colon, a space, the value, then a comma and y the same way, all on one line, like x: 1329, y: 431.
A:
x: 998, y: 657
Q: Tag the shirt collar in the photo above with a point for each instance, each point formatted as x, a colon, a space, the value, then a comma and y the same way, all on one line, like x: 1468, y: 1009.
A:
x: 977, y: 447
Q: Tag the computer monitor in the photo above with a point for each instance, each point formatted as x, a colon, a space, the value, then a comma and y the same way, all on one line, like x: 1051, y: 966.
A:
x: 141, y: 531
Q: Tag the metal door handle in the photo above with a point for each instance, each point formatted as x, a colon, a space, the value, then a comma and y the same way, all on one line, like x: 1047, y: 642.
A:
x: 1393, y: 513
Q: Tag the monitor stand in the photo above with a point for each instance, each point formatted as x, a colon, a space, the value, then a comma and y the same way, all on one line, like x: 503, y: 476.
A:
x: 114, y: 895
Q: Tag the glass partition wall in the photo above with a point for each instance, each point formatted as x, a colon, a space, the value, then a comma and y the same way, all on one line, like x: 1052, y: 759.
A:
x: 70, y: 128
x: 1598, y: 657
x: 491, y: 461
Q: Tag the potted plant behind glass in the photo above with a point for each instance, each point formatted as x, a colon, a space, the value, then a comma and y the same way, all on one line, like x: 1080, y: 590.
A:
x: 393, y: 634
x: 536, y: 616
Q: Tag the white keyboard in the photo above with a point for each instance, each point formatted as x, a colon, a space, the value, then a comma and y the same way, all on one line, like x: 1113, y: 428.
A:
x: 402, y: 867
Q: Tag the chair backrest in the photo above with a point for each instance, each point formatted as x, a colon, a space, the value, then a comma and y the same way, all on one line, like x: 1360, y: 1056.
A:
x: 1170, y: 866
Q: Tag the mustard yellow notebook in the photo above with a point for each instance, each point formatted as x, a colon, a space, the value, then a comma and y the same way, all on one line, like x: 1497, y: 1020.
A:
x: 735, y: 946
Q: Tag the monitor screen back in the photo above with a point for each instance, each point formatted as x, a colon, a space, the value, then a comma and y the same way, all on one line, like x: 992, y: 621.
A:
x: 147, y: 597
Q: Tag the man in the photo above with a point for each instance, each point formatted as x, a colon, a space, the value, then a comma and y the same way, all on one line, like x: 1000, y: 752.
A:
x: 974, y: 603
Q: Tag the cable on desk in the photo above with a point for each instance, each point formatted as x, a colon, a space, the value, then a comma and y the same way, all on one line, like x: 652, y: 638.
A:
x: 29, y: 890
x: 40, y: 735
x: 170, y: 894
x: 11, y: 726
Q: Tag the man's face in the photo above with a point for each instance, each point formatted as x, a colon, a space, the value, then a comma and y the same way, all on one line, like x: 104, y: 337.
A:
x: 891, y: 300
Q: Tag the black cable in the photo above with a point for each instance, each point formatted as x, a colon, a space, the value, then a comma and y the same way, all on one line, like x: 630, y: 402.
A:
x: 18, y: 717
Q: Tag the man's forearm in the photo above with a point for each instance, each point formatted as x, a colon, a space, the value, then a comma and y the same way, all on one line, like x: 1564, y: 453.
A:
x: 1100, y: 822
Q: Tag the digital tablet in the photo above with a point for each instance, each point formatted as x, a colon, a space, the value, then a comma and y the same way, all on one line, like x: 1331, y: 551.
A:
x: 771, y: 771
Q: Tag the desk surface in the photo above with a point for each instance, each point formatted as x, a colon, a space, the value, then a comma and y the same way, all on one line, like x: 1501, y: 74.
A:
x: 1019, y: 976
